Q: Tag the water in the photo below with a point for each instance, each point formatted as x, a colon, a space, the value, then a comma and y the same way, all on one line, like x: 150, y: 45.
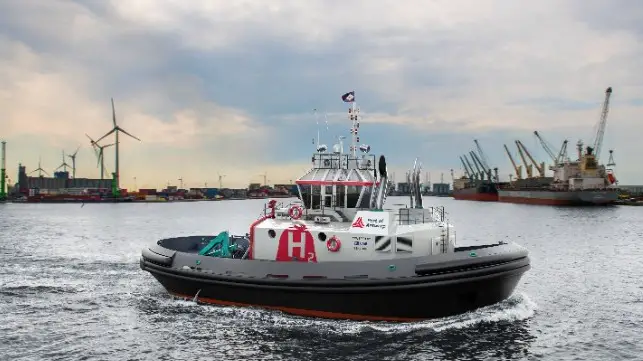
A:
x: 71, y: 289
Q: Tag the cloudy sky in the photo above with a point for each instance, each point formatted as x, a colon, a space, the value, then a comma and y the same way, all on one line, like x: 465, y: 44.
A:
x: 228, y: 87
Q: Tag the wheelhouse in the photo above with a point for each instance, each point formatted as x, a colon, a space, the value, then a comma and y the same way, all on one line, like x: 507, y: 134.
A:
x: 338, y: 181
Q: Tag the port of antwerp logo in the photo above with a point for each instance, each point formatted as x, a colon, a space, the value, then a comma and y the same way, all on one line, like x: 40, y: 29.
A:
x: 359, y: 223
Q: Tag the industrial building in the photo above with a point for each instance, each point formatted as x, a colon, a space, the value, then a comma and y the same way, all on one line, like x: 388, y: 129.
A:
x: 441, y: 189
x: 59, y: 181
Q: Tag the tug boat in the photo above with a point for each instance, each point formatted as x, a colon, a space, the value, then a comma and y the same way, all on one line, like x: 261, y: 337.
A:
x: 337, y: 253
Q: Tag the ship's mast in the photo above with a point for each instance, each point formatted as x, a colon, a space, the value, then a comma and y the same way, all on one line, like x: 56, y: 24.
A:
x: 353, y: 115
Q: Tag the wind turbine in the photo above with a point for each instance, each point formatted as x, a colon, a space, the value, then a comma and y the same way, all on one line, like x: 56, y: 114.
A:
x: 39, y: 169
x: 181, y: 183
x: 116, y: 129
x: 64, y: 164
x: 221, y: 180
x: 73, y: 162
x: 98, y: 149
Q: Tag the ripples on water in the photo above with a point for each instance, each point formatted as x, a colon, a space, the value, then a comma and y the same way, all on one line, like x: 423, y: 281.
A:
x: 71, y: 288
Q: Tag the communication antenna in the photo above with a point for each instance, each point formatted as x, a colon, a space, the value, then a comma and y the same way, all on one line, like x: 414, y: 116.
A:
x: 321, y: 148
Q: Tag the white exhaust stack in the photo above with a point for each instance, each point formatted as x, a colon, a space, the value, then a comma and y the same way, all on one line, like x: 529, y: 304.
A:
x: 414, y: 185
x: 383, y: 188
x: 418, y: 191
x: 409, y: 181
x: 373, y: 201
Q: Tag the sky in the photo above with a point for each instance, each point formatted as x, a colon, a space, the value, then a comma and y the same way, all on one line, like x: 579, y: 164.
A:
x: 228, y: 87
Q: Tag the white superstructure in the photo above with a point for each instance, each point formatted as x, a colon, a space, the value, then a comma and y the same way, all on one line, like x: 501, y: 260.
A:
x: 341, y: 218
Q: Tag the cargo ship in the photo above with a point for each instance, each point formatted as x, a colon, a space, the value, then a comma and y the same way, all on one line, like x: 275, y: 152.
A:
x: 556, y: 197
x: 484, y: 191
x: 480, y: 182
x: 581, y: 182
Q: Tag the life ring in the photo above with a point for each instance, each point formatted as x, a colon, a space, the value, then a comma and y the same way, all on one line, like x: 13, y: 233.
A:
x: 333, y: 244
x: 295, y: 212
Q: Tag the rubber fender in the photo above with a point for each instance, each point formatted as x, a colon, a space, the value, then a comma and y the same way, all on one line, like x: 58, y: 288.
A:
x: 156, y: 258
x: 162, y: 250
x: 469, y: 262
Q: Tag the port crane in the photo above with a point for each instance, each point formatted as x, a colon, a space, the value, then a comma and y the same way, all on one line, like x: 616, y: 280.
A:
x: 476, y: 162
x: 610, y: 168
x: 598, y: 141
x: 610, y: 162
x: 556, y: 158
x: 528, y: 167
x: 466, y: 169
x: 485, y: 163
x: 517, y: 167
x: 471, y: 170
x: 539, y: 167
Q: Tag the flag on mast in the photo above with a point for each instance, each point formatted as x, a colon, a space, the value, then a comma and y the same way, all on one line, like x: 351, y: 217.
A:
x: 349, y: 97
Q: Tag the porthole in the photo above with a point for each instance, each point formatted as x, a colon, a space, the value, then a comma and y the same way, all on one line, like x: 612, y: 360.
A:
x: 322, y: 236
x: 272, y: 233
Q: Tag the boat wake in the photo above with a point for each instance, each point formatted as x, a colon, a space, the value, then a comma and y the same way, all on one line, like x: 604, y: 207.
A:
x: 518, y: 307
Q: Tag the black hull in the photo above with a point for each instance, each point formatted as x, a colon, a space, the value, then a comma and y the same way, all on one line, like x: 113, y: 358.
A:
x: 437, y: 293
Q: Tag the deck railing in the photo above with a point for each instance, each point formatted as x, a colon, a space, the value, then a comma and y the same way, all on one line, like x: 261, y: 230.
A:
x: 421, y: 215
x: 343, y: 161
x: 404, y: 215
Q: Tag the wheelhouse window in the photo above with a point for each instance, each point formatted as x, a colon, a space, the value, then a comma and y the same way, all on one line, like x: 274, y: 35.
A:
x: 311, y: 193
x: 341, y: 194
x: 353, y: 193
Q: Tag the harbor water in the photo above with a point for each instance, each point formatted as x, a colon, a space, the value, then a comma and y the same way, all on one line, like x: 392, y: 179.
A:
x: 71, y: 289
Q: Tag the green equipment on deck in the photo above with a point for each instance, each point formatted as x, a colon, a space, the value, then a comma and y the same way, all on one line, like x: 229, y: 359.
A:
x: 226, y: 249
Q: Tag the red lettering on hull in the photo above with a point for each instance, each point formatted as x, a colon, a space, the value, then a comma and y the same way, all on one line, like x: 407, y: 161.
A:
x: 296, y: 244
